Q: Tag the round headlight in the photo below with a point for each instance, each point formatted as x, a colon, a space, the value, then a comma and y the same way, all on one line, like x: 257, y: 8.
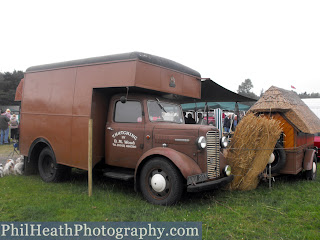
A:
x: 227, y: 170
x: 202, y: 142
x: 224, y: 142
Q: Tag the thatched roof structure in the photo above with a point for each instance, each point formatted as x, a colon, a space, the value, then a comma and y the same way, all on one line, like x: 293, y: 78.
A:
x: 291, y: 106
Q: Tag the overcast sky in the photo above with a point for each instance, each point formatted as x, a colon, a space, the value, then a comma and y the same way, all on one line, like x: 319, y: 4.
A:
x: 271, y: 42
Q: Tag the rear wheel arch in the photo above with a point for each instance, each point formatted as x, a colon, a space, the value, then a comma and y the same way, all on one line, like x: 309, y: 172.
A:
x: 49, y: 169
x: 31, y: 163
x: 41, y: 152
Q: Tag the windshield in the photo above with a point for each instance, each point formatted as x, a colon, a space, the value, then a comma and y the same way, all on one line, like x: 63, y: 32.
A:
x: 164, y: 112
x: 211, y: 114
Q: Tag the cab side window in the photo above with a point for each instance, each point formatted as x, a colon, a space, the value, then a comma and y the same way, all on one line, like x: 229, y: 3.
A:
x: 129, y: 112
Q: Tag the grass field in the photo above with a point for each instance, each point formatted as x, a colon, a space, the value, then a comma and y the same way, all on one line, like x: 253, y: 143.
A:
x: 7, y: 151
x: 290, y: 210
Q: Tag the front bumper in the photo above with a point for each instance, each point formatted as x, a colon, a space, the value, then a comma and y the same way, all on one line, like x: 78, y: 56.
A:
x: 199, y: 187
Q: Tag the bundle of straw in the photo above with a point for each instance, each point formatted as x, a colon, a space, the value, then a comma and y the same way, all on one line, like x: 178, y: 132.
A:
x: 250, y: 149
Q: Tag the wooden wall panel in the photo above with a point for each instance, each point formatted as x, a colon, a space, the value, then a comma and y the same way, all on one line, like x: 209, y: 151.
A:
x: 288, y: 130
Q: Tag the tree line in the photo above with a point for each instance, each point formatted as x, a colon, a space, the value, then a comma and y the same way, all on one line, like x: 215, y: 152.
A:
x: 246, y: 86
x: 8, y: 85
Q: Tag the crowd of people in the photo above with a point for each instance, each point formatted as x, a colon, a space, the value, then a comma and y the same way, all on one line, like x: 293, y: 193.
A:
x: 230, y: 120
x: 8, y: 123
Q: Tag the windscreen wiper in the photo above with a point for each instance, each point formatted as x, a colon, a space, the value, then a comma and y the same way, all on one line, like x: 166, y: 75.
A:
x: 159, y: 104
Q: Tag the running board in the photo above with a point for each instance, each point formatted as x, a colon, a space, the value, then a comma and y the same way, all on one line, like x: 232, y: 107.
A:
x: 119, y: 175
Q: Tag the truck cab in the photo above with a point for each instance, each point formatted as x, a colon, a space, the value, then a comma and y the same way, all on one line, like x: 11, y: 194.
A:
x: 147, y: 134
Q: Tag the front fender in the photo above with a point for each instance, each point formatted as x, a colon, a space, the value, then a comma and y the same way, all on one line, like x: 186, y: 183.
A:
x: 185, y: 164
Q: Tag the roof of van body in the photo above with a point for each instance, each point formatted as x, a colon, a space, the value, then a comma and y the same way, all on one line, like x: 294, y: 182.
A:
x: 145, y: 57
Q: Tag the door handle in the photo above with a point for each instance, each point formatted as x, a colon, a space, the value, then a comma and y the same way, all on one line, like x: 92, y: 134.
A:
x: 110, y: 128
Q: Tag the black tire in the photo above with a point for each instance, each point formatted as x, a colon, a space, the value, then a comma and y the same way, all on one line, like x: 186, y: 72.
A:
x: 279, y: 159
x: 312, y: 174
x: 48, y: 168
x: 171, y: 180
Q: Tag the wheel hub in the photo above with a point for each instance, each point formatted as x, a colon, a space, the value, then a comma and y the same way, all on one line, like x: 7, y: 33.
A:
x: 158, y: 182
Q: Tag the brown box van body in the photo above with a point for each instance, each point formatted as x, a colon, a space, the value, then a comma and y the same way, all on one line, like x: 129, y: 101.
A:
x: 59, y: 99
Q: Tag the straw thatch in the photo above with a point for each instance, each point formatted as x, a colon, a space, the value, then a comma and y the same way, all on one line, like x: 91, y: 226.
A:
x: 250, y: 149
x: 291, y: 106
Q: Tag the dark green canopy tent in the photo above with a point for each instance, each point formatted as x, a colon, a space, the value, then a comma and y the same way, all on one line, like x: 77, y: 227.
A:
x: 229, y: 106
x: 213, y: 92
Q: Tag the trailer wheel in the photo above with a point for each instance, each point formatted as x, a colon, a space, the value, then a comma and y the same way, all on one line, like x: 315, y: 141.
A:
x: 161, y: 182
x: 279, y: 159
x: 48, y: 168
x: 312, y: 174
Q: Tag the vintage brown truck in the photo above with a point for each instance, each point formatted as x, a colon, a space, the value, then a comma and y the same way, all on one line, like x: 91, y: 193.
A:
x: 139, y: 131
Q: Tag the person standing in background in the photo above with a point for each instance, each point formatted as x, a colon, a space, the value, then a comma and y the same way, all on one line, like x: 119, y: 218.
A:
x: 4, y: 128
x: 8, y: 114
x: 227, y: 123
x: 235, y: 121
x: 200, y: 118
x: 190, y: 119
x: 14, y: 124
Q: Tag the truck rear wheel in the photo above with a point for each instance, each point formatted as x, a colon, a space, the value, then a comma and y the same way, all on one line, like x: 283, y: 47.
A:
x: 312, y: 174
x: 161, y: 182
x: 49, y: 170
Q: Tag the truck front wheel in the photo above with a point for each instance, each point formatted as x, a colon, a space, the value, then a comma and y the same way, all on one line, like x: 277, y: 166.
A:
x: 161, y: 182
x: 49, y: 170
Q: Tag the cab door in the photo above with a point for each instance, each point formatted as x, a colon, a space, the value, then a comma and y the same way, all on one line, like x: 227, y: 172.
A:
x: 125, y: 134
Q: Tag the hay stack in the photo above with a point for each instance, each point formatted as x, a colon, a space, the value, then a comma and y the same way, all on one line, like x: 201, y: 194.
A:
x: 250, y: 149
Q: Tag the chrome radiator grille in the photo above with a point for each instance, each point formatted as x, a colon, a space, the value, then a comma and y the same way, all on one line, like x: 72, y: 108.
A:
x: 213, y: 153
